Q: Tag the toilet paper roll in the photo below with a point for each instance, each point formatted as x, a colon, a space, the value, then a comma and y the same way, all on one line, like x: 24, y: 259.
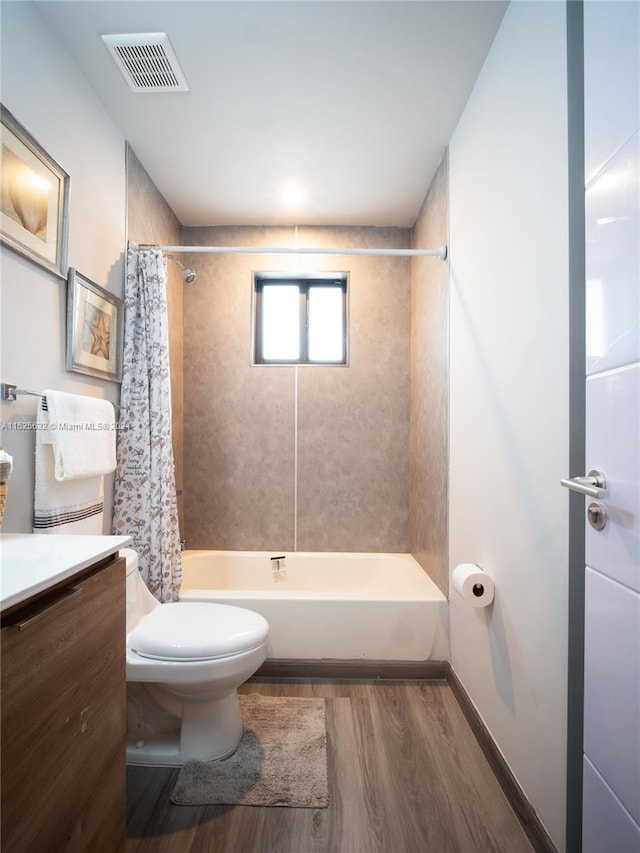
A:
x: 472, y: 584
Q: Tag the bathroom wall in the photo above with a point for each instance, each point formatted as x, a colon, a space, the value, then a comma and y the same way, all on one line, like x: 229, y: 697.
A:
x: 151, y: 220
x: 46, y: 93
x: 429, y: 442
x: 509, y: 432
x: 313, y: 458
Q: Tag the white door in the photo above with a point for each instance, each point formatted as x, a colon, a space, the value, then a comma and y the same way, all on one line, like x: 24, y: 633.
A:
x: 611, y: 796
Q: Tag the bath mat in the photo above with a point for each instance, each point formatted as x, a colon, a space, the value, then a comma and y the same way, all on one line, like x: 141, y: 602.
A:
x: 281, y: 760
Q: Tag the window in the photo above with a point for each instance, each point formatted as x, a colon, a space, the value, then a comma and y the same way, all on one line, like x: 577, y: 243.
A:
x: 300, y: 320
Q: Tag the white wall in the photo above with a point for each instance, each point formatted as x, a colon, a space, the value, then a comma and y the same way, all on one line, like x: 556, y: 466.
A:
x: 46, y: 93
x: 509, y: 397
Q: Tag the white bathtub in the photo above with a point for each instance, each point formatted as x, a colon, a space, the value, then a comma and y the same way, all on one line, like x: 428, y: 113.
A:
x: 328, y: 606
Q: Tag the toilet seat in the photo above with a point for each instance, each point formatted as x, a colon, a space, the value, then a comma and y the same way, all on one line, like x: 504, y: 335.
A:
x: 190, y: 631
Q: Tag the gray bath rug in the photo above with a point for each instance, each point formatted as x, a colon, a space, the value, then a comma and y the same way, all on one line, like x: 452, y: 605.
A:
x: 281, y: 760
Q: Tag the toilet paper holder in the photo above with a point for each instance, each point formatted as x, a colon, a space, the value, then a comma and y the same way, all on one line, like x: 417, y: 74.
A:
x: 473, y: 585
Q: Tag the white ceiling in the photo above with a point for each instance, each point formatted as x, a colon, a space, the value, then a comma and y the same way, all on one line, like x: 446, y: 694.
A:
x: 352, y: 100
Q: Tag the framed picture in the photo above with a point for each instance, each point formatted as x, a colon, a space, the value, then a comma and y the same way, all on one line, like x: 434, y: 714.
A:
x: 94, y: 329
x: 34, y: 199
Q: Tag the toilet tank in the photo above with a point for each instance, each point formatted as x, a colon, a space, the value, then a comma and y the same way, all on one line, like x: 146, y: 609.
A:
x: 139, y: 599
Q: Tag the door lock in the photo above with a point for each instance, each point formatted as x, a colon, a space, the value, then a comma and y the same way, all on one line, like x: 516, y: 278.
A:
x: 597, y: 515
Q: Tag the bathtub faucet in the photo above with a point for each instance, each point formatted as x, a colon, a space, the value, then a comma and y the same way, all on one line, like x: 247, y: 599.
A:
x: 275, y: 562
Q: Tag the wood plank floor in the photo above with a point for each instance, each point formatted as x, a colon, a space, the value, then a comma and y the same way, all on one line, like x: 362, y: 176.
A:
x: 406, y: 775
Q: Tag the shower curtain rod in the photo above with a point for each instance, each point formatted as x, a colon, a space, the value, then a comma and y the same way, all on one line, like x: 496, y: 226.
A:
x: 441, y: 252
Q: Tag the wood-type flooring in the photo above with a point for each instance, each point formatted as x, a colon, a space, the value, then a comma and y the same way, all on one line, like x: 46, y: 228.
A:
x: 406, y: 775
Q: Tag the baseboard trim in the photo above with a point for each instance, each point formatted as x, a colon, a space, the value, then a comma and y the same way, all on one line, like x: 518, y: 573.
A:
x: 429, y: 670
x: 531, y: 823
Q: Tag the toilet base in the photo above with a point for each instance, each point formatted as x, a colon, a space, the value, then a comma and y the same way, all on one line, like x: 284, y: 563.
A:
x: 205, y: 731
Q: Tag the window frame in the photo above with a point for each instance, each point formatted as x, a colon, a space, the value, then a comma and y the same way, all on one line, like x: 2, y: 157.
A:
x: 304, y: 282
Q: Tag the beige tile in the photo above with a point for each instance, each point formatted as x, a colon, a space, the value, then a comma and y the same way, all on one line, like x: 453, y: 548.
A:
x: 151, y: 220
x: 353, y: 422
x: 430, y: 386
x: 239, y: 433
x: 353, y: 459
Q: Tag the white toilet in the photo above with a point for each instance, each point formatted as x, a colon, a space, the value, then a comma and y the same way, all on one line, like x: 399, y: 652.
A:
x: 185, y: 662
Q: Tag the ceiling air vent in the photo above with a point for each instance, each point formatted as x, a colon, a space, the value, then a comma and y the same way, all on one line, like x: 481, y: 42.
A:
x: 147, y: 62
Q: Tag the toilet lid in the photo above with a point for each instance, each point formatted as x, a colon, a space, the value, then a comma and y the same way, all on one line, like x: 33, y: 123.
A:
x: 190, y: 631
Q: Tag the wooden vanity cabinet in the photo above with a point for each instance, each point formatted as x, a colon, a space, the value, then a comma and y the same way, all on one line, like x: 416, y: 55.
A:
x: 63, y: 680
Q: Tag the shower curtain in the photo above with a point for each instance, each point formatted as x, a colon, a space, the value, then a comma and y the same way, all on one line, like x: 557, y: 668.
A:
x: 145, y: 505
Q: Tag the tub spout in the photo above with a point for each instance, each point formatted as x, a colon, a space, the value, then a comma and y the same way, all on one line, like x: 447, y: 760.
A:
x: 278, y: 569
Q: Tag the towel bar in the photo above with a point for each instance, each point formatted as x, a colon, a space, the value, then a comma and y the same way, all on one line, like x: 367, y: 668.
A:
x: 10, y: 393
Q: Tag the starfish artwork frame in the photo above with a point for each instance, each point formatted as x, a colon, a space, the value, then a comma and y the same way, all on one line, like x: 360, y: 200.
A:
x: 94, y: 329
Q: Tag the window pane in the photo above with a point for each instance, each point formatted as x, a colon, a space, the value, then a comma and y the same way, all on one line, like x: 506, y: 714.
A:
x: 326, y: 327
x: 280, y: 322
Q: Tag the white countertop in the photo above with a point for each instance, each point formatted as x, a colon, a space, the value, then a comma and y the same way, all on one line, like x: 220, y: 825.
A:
x: 30, y: 563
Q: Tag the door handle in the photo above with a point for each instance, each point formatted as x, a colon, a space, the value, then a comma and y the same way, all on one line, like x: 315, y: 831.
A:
x: 594, y: 485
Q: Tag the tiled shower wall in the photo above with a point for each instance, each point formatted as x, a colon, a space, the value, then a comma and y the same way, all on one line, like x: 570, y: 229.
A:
x: 151, y: 220
x: 429, y: 454
x: 312, y: 458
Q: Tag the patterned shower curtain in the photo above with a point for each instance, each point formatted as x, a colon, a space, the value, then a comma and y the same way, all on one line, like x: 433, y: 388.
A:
x: 145, y: 506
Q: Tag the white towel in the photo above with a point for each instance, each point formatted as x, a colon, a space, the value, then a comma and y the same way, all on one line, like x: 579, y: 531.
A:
x: 82, y: 435
x: 70, y: 505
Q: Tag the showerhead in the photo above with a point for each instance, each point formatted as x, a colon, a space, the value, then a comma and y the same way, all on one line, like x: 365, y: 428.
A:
x: 187, y: 274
